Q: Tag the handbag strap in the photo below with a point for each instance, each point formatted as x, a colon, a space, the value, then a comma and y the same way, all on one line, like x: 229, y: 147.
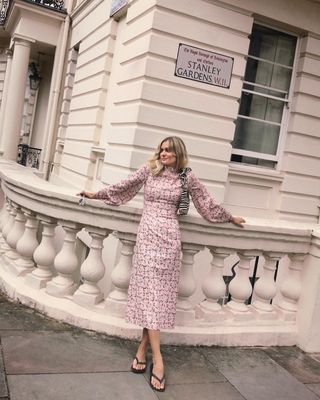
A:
x: 184, y: 202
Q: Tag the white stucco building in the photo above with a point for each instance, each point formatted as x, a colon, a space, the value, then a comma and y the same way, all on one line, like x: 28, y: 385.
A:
x: 239, y: 82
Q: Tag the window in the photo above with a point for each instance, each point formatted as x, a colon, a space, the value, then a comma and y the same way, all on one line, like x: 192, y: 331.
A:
x: 265, y: 94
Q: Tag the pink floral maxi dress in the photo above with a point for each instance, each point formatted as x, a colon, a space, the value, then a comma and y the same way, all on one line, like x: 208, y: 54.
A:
x: 153, y: 288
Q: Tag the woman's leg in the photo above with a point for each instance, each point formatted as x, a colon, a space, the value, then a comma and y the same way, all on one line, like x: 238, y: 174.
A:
x: 142, y: 349
x: 158, y: 368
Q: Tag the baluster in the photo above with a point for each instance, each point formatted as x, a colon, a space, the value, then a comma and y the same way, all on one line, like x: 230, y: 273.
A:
x: 43, y: 255
x: 4, y: 219
x: 4, y: 215
x: 240, y: 287
x: 7, y: 228
x: 27, y: 244
x: 265, y: 288
x: 290, y: 288
x: 213, y: 287
x: 187, y: 284
x: 92, y: 270
x: 15, y: 234
x: 120, y: 276
x: 65, y: 263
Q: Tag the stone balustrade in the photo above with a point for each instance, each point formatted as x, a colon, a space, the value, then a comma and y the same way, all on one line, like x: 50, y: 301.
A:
x: 253, y: 292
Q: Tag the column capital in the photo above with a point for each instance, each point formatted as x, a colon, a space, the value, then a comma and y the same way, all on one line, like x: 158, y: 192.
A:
x: 17, y: 38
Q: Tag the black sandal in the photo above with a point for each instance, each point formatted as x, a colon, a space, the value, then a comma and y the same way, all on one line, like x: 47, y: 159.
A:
x: 152, y: 375
x: 139, y: 370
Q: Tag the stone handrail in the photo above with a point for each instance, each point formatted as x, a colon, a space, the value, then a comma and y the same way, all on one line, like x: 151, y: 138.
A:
x: 259, y: 307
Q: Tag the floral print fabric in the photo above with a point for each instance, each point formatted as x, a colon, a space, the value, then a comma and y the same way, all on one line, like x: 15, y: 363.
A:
x: 153, y: 288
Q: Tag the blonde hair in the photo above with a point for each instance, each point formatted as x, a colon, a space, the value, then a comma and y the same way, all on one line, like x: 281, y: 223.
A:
x: 178, y: 147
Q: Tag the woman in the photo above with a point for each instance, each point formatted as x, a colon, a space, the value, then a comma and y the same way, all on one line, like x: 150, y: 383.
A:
x: 154, y: 281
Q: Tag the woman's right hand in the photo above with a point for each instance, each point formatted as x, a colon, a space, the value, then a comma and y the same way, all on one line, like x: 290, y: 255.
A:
x: 89, y: 195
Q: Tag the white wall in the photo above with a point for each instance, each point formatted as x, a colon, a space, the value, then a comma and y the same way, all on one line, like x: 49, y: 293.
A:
x: 151, y: 103
x: 293, y: 191
x: 125, y: 99
x: 94, y: 36
x: 300, y: 191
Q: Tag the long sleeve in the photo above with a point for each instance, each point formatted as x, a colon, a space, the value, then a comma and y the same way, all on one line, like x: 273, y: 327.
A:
x: 125, y: 190
x: 205, y: 203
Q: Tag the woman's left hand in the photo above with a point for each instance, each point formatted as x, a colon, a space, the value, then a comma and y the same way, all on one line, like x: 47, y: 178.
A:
x: 239, y: 221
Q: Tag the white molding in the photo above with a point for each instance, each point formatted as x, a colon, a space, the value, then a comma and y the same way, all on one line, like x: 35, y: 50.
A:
x: 255, y: 172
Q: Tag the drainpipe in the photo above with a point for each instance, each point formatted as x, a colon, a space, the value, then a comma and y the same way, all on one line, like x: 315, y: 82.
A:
x: 54, y: 99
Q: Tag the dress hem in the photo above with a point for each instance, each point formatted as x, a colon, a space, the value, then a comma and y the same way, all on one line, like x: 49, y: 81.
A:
x: 151, y: 327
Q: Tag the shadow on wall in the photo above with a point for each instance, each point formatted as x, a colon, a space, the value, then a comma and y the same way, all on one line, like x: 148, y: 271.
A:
x: 1, y: 198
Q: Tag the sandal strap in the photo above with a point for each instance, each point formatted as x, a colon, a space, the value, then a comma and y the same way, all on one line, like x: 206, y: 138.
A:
x: 157, y: 378
x: 138, y: 362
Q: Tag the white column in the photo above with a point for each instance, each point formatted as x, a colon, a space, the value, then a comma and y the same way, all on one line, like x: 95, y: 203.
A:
x: 43, y: 255
x: 265, y: 288
x: 15, y: 96
x: 27, y: 244
x: 214, y: 287
x: 120, y: 276
x: 9, y: 53
x: 240, y: 286
x: 66, y: 263
x: 7, y: 228
x: 290, y: 288
x: 15, y: 234
x: 187, y: 285
x: 92, y: 270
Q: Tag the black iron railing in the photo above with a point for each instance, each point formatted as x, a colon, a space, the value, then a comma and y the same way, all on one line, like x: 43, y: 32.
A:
x: 4, y: 6
x: 57, y: 5
x: 28, y: 156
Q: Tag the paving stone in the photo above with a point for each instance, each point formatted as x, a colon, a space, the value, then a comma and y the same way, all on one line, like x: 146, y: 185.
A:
x: 15, y: 316
x: 298, y: 363
x: 63, y: 352
x: 188, y: 365
x: 3, y: 386
x: 110, y: 386
x: 48, y: 360
x: 257, y: 376
x: 203, y: 391
x: 315, y: 388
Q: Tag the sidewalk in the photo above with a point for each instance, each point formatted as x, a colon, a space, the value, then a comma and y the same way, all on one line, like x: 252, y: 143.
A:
x: 41, y: 359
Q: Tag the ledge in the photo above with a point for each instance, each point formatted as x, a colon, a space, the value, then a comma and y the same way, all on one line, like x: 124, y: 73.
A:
x: 255, y: 172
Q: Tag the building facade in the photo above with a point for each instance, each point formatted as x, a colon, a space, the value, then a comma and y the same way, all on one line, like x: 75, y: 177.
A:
x: 238, y: 81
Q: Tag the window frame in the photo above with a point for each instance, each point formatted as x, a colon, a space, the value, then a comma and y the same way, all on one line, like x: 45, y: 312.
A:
x: 277, y: 158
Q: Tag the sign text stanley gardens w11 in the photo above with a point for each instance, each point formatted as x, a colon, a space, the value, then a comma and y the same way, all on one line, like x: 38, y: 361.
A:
x: 203, y: 66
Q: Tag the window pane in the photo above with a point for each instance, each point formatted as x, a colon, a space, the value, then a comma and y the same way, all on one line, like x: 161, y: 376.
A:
x: 272, y: 45
x: 256, y: 136
x: 268, y: 74
x: 285, y: 50
x: 263, y: 43
x: 263, y: 90
x: 260, y: 107
x: 252, y: 160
